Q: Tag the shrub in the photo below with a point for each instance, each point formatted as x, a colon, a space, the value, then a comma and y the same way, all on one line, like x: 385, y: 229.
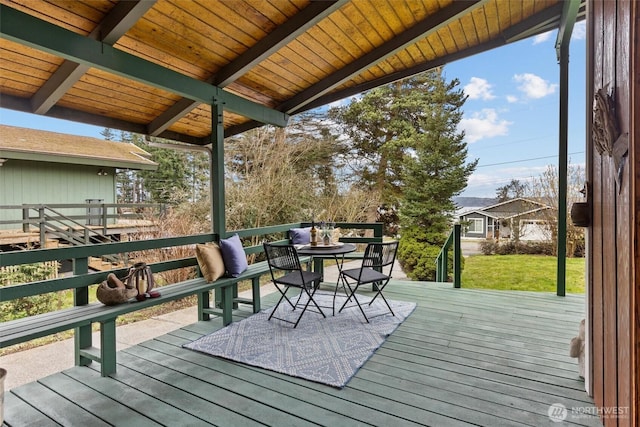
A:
x: 510, y: 247
x: 418, y: 252
x: 488, y: 247
x: 28, y: 306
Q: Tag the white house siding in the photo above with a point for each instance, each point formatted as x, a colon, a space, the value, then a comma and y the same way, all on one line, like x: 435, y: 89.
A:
x: 534, y: 231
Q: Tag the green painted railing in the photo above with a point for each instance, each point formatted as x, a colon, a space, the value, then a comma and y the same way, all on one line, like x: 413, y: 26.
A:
x: 27, y: 216
x: 442, y: 261
x: 82, y: 278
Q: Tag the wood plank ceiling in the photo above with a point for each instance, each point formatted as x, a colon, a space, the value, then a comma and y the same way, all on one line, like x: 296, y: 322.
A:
x: 155, y: 67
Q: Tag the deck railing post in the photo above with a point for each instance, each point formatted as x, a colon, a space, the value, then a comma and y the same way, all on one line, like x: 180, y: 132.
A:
x: 457, y: 256
x: 26, y: 224
x: 444, y: 260
x: 42, y: 226
x: 104, y: 219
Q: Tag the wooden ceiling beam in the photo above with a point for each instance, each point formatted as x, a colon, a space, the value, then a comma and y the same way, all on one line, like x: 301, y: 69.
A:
x: 117, y: 22
x: 282, y: 35
x: 390, y: 78
x: 277, y: 39
x: 24, y: 29
x: 541, y: 22
x: 419, y: 31
x: 63, y: 113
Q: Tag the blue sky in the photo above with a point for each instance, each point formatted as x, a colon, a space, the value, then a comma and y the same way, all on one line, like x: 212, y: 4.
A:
x: 512, y: 112
x: 510, y: 118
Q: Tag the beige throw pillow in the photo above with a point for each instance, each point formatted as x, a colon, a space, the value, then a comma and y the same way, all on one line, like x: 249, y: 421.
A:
x: 210, y: 261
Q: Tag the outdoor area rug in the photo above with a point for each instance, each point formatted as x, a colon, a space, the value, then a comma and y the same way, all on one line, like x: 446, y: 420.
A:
x: 328, y: 351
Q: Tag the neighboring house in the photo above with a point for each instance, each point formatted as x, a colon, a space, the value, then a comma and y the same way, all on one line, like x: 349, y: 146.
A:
x: 517, y: 218
x: 39, y: 167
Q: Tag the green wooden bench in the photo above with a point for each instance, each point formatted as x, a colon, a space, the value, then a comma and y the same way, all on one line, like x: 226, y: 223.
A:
x: 82, y: 316
x: 29, y: 328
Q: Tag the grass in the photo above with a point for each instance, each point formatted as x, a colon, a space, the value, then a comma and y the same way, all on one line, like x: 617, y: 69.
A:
x: 521, y: 273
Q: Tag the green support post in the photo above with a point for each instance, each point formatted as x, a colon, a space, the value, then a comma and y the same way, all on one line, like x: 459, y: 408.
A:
x: 562, y: 172
x: 217, y: 177
x: 217, y: 169
x: 457, y: 256
x: 570, y: 10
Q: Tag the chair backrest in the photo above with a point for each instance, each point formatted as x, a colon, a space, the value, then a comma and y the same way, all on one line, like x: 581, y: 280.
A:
x: 379, y: 255
x: 282, y: 257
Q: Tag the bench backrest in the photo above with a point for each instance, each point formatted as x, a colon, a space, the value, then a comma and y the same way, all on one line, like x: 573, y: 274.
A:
x: 82, y: 278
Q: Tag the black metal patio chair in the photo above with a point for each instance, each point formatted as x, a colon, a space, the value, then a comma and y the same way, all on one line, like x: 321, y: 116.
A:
x: 377, y: 258
x: 284, y: 258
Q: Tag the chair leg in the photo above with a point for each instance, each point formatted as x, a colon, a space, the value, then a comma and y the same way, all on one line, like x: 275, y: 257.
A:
x: 283, y: 295
x: 310, y: 295
x: 294, y: 306
x: 335, y: 292
x: 309, y: 301
x: 353, y: 295
x: 381, y: 287
x: 297, y: 304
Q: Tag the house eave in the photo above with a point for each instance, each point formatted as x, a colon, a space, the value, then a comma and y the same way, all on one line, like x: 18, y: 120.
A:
x: 75, y: 160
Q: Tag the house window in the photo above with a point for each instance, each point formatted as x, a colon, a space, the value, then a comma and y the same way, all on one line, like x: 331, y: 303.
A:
x: 476, y: 225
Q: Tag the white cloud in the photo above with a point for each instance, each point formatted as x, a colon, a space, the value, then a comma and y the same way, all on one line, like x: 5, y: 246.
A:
x: 484, y: 183
x: 541, y: 38
x: 522, y: 172
x: 483, y: 124
x: 511, y: 99
x: 579, y: 31
x: 534, y: 86
x: 478, y: 89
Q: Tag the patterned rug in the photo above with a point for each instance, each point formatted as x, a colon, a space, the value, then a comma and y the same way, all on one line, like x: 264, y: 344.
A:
x: 328, y: 351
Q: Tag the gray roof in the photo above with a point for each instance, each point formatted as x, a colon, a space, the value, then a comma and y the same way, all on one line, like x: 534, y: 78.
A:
x: 52, y: 147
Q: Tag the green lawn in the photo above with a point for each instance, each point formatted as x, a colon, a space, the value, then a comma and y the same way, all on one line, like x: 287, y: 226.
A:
x: 521, y: 272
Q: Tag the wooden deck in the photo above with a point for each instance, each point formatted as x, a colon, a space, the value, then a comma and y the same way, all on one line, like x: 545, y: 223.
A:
x: 464, y: 357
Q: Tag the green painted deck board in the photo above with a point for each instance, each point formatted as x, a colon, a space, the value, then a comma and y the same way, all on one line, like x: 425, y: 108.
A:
x: 279, y: 390
x: 55, y: 406
x: 99, y: 403
x: 495, y: 358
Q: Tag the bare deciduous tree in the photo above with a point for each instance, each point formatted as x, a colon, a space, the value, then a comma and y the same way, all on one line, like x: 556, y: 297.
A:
x: 545, y: 189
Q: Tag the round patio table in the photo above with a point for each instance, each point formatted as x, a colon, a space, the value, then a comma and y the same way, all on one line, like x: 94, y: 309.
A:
x: 337, y: 251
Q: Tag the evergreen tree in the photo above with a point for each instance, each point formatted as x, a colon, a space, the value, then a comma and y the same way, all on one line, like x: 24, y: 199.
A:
x: 405, y: 143
x: 176, y: 178
x: 375, y: 125
x: 108, y: 134
x: 181, y: 175
x: 128, y: 182
x: 434, y: 173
